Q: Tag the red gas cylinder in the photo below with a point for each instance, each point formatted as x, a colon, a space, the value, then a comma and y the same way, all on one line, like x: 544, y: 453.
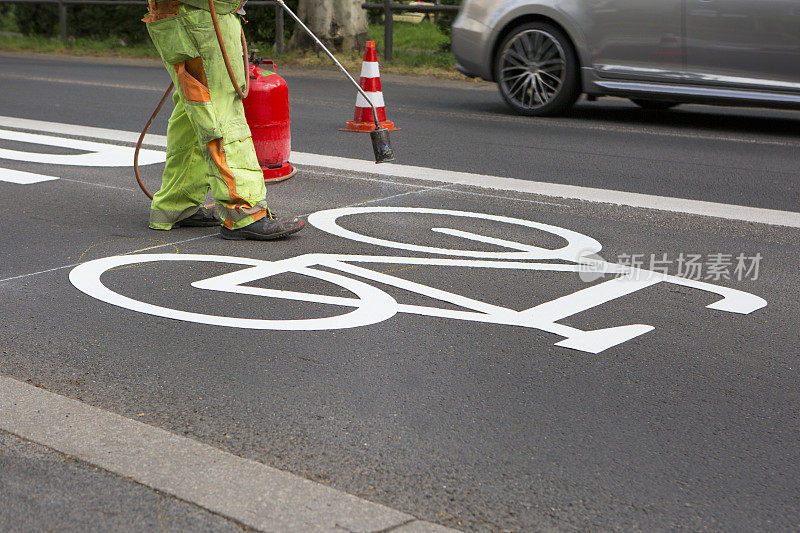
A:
x: 267, y: 112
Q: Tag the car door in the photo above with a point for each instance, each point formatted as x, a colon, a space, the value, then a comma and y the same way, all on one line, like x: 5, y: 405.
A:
x: 749, y: 44
x: 634, y: 39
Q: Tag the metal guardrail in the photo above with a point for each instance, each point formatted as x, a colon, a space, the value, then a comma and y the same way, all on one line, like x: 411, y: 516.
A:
x: 389, y: 7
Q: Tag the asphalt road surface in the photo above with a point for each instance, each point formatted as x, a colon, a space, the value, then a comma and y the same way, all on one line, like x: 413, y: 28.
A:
x: 445, y: 349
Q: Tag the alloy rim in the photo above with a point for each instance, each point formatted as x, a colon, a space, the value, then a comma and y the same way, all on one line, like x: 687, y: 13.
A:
x: 533, y: 69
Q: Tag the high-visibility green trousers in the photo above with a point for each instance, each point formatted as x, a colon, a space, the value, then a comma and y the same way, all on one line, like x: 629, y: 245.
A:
x: 208, y: 140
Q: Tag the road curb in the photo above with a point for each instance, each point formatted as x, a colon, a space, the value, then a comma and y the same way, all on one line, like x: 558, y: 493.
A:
x: 249, y: 492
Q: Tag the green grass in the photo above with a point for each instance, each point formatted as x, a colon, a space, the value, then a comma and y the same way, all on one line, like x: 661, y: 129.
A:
x: 419, y: 49
x: 415, y: 46
x: 424, y: 36
x: 80, y: 47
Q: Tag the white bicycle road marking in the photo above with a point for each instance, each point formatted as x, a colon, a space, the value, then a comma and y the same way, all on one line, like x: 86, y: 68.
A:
x: 94, y: 154
x: 373, y: 305
x: 21, y: 177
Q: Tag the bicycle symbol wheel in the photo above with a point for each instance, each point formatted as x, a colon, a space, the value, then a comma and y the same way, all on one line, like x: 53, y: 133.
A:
x: 578, y: 245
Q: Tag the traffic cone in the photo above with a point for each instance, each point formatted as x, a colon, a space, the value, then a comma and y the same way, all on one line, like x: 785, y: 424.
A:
x: 370, y: 83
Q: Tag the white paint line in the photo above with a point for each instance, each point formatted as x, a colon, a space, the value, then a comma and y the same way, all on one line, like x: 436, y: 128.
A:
x: 93, y: 154
x: 555, y: 190
x: 497, y: 196
x: 156, y: 246
x: 12, y: 278
x: 81, y: 131
x: 23, y: 178
x: 407, y: 193
x: 419, y: 190
x: 249, y: 492
x: 103, y: 185
x: 327, y: 173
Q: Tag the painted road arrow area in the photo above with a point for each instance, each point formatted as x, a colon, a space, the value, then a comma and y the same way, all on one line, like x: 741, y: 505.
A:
x: 428, y: 352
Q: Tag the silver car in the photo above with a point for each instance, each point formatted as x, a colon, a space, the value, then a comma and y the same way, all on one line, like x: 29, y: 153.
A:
x: 544, y: 53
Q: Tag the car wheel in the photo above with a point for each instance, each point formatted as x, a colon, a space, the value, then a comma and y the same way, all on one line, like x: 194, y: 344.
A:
x: 536, y: 70
x: 654, y: 105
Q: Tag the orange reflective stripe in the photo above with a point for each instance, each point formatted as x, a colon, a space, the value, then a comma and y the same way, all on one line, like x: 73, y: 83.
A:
x: 161, y: 10
x: 218, y: 156
x: 228, y: 222
x: 237, y: 202
x: 193, y: 89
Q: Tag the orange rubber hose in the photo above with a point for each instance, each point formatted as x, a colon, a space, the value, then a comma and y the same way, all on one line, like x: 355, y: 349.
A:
x: 141, y: 139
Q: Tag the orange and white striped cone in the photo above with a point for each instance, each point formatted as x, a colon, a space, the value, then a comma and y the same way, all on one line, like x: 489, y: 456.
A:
x: 370, y: 83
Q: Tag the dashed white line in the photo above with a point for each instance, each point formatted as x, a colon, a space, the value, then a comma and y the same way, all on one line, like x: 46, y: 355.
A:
x: 126, y: 253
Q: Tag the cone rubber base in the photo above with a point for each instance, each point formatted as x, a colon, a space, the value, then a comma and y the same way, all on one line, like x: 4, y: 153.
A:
x: 352, y: 125
x: 274, y: 175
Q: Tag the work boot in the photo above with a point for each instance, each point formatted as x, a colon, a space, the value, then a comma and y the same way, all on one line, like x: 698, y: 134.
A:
x: 268, y: 228
x: 204, y: 218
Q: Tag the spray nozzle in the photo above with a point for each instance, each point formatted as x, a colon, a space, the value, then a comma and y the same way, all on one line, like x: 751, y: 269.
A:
x: 381, y: 145
x: 253, y: 59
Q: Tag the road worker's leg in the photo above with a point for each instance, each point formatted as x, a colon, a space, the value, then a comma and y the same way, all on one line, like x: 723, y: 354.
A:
x: 184, y: 184
x: 191, y: 53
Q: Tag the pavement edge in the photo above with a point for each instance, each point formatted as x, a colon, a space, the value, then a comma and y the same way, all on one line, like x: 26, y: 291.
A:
x: 249, y: 492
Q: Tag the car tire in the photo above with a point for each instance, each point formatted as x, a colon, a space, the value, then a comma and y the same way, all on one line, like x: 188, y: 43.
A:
x: 654, y: 105
x: 536, y: 69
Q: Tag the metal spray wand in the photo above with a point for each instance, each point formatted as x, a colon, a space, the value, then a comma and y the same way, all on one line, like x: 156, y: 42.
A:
x: 380, y: 136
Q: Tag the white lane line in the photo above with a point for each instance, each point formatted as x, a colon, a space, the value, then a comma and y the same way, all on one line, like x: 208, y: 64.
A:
x: 256, y: 495
x: 390, y: 170
x: 584, y: 124
x: 398, y: 195
x: 418, y: 191
x: 322, y: 172
x: 499, y: 197
x: 327, y: 174
x: 572, y: 123
x: 73, y: 81
x: 126, y: 253
x: 103, y: 185
x: 556, y: 190
x: 23, y: 178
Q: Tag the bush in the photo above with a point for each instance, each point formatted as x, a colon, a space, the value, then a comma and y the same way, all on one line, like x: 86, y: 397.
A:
x: 374, y: 16
x: 37, y: 19
x: 260, y: 27
x: 93, y: 21
x: 101, y: 22
x: 7, y: 21
x: 445, y: 20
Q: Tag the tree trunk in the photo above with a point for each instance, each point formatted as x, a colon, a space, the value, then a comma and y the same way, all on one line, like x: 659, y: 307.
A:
x: 340, y: 24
